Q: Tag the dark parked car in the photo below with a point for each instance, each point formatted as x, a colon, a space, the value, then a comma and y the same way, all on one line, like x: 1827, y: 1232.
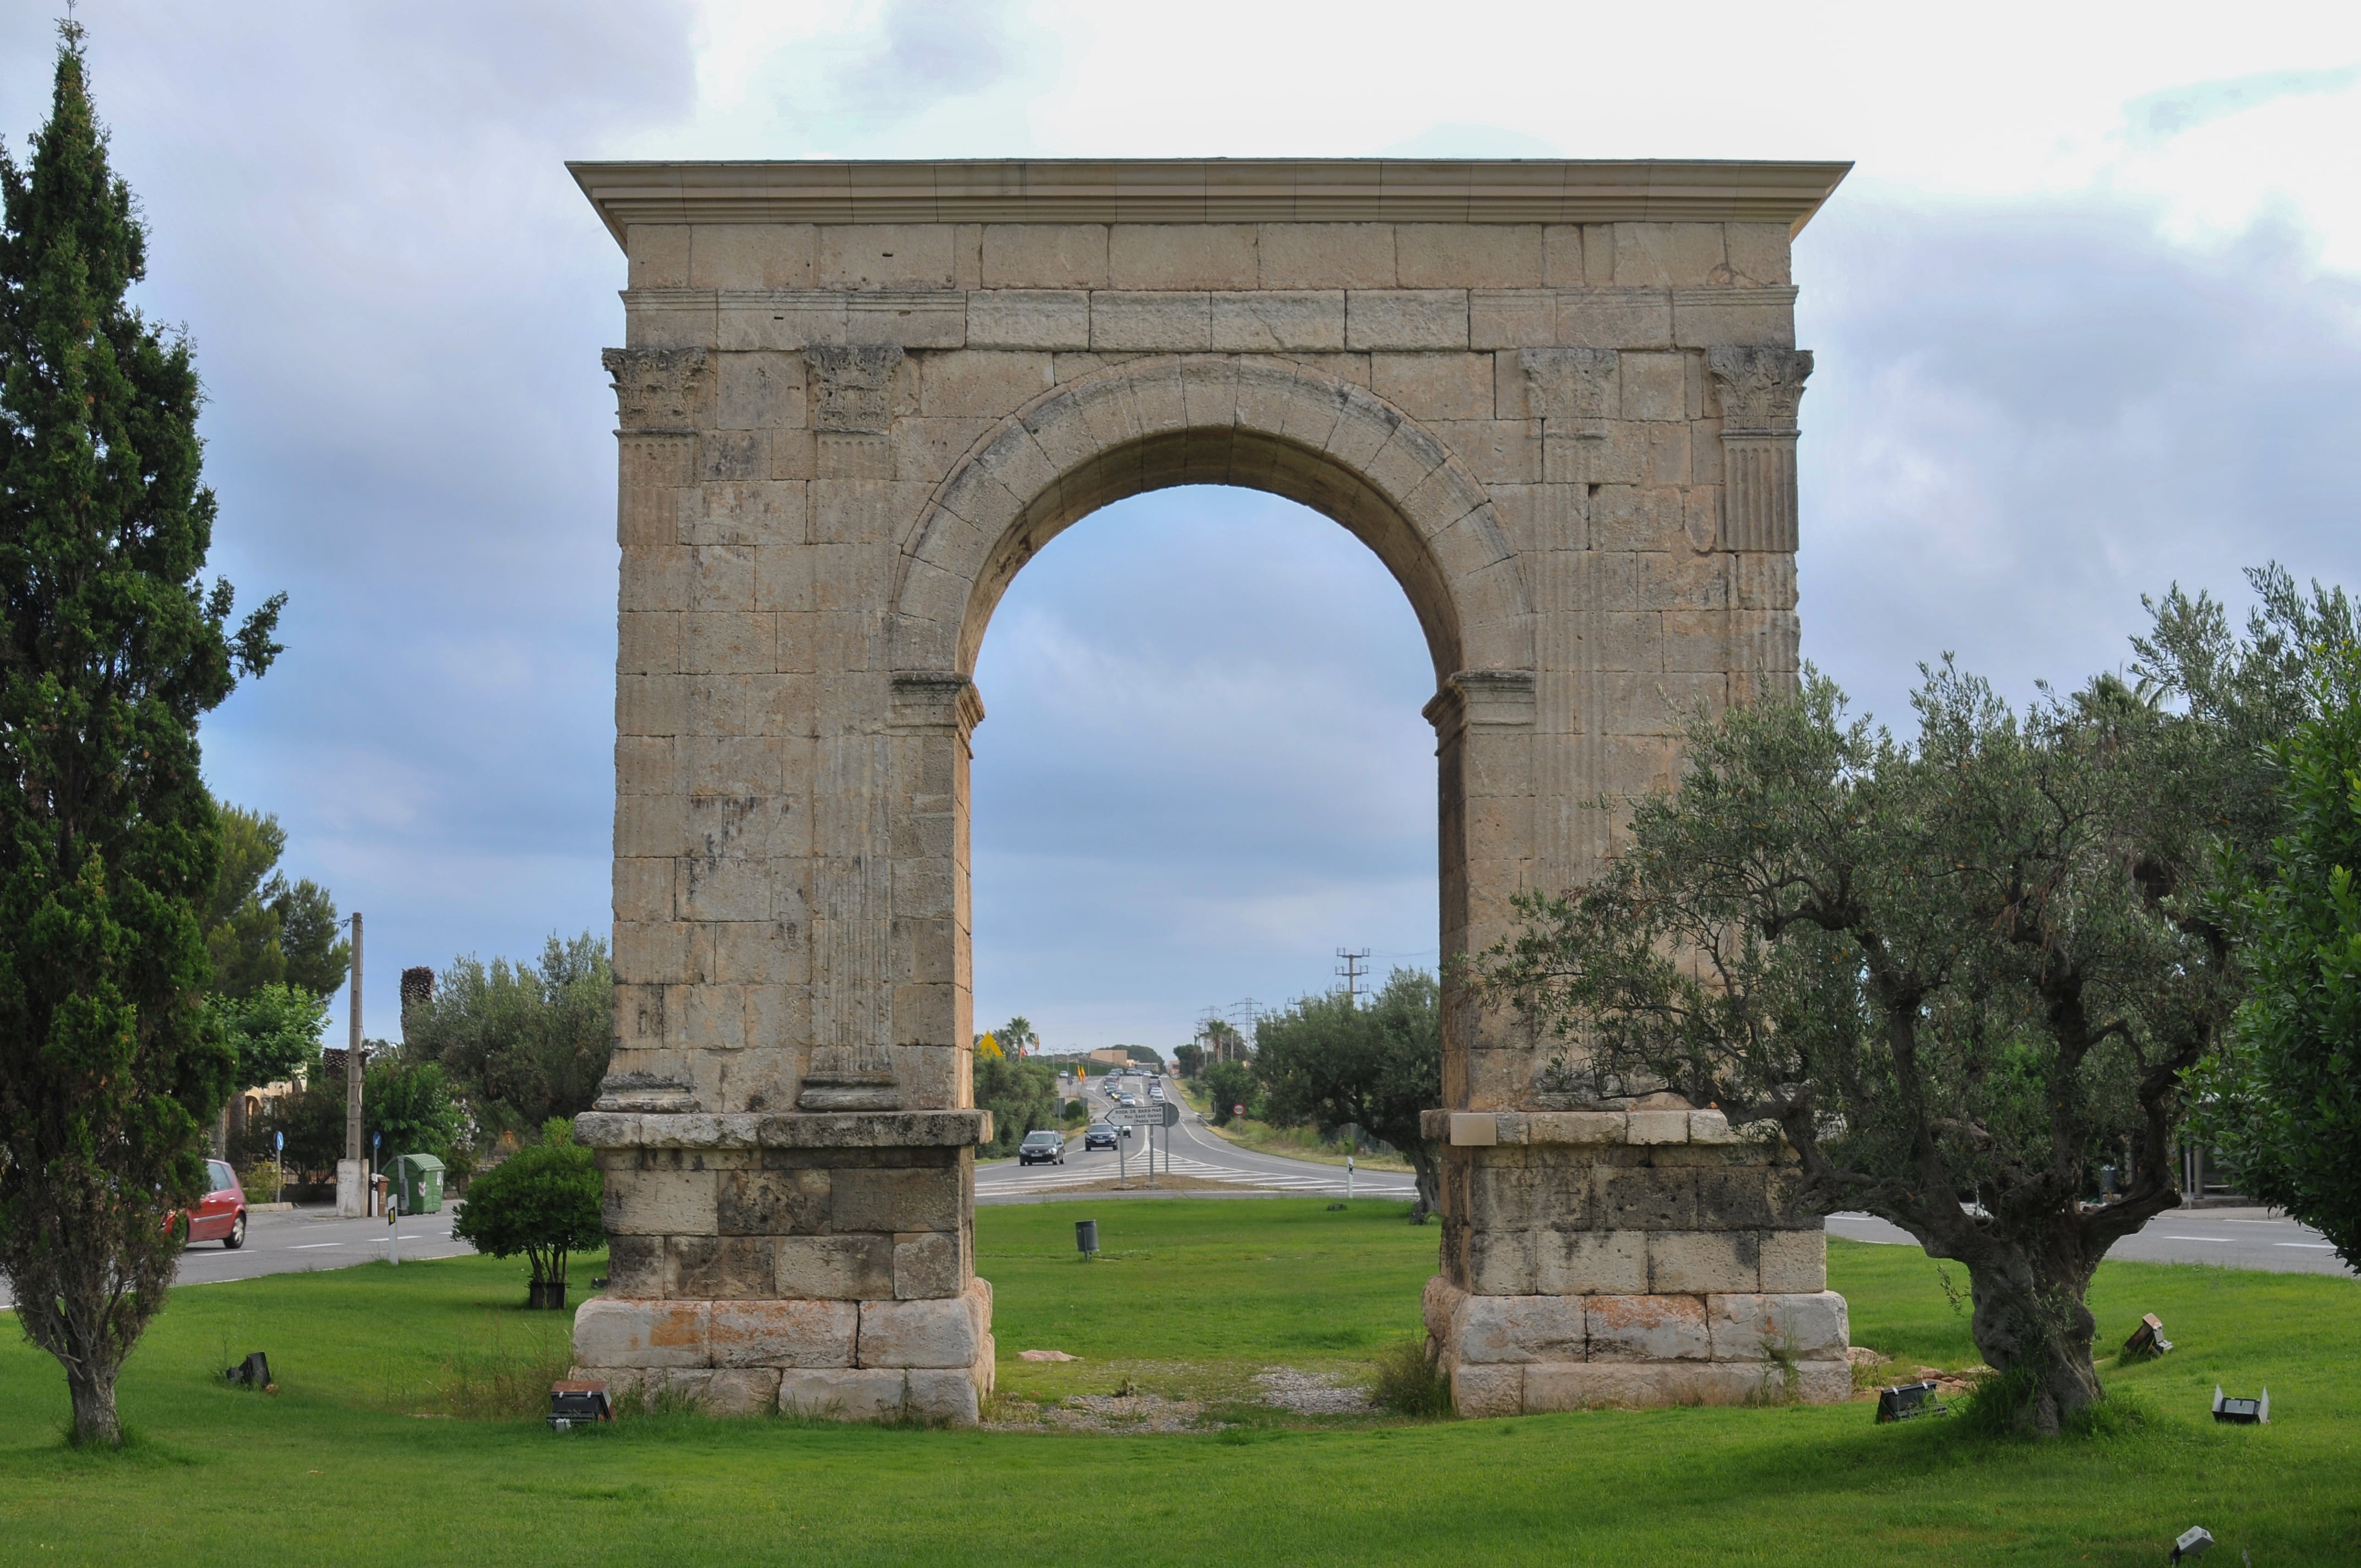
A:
x: 1099, y: 1136
x: 219, y: 1216
x: 1043, y: 1147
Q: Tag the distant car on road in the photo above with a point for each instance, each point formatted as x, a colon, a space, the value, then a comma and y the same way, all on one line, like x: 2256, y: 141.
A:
x: 219, y: 1216
x: 1099, y: 1136
x: 1042, y: 1148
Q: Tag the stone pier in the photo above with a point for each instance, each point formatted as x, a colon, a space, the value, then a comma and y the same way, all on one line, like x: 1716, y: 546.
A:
x: 1558, y: 400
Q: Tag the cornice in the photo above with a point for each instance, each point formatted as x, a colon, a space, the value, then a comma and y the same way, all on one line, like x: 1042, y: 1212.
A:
x: 1206, y: 191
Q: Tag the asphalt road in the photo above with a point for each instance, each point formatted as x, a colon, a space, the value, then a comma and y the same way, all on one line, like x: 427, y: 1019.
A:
x: 2236, y: 1238
x: 295, y: 1241
x: 1198, y: 1152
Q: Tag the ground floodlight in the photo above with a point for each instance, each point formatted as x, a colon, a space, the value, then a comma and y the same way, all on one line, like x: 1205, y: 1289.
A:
x: 2195, y: 1541
x: 1086, y: 1237
x: 2147, y: 1340
x: 575, y: 1405
x: 254, y: 1372
x: 1907, y: 1401
x: 2242, y: 1412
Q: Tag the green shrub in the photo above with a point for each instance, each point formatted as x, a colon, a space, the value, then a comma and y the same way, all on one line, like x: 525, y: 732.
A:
x: 542, y: 1201
x: 1409, y: 1383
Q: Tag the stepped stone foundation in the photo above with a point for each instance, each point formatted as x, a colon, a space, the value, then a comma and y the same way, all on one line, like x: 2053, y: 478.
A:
x: 1558, y: 401
x: 1642, y: 1258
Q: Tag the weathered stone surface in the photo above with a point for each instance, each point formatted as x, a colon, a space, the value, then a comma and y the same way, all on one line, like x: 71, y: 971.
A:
x: 612, y: 1332
x: 1810, y: 1327
x: 853, y: 403
x: 845, y: 1269
x: 782, y: 1333
x: 1647, y: 1328
x: 1519, y: 1328
x: 936, y: 1332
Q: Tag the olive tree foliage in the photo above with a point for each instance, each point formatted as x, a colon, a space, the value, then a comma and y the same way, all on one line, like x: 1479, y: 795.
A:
x: 2282, y: 1098
x: 1332, y: 1063
x: 111, y: 650
x: 1955, y: 975
x: 261, y: 929
x: 522, y: 1042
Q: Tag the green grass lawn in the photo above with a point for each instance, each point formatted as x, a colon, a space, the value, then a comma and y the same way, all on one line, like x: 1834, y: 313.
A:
x: 342, y: 1467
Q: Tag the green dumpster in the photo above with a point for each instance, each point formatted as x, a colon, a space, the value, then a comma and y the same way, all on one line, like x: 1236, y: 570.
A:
x: 418, y: 1178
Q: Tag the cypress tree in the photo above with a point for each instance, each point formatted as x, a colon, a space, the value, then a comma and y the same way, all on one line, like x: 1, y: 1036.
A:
x: 111, y: 651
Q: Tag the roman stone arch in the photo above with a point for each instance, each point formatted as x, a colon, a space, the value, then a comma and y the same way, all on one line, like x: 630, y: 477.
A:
x: 1285, y: 428
x: 1558, y: 400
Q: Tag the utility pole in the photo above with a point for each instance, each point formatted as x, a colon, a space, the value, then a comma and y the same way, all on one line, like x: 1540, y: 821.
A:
x: 1352, y: 972
x: 353, y: 1054
x: 352, y: 1175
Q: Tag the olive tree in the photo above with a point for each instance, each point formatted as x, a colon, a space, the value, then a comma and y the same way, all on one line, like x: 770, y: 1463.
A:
x: 1956, y: 975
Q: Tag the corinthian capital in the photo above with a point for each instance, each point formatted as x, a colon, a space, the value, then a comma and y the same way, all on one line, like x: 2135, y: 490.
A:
x: 1760, y: 386
x: 660, y: 389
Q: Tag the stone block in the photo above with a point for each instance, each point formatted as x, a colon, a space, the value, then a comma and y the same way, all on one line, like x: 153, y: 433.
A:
x: 1044, y: 256
x: 1659, y: 1127
x: 1669, y: 254
x: 1467, y: 255
x: 841, y: 1268
x: 758, y: 390
x: 944, y: 1397
x: 722, y: 1268
x: 1490, y: 1329
x: 885, y: 255
x: 1647, y: 1328
x: 843, y: 1394
x: 635, y: 1265
x: 1511, y: 318
x: 914, y: 1200
x: 1796, y: 1262
x: 1028, y: 318
x: 752, y: 255
x: 659, y: 255
x: 1182, y: 256
x: 612, y: 1332
x: 1812, y: 1326
x: 975, y: 382
x: 1434, y: 386
x: 1403, y: 318
x: 936, y: 1332
x: 1275, y: 322
x: 1655, y: 386
x: 733, y: 1391
x: 926, y: 1265
x: 1590, y: 1263
x: 1562, y: 255
x: 1166, y: 323
x: 1480, y: 1391
x: 1326, y: 256
x: 659, y: 1202
x: 1697, y: 1262
x: 1590, y: 1386
x: 1502, y: 1262
x: 782, y: 1333
x: 1576, y: 1127
x: 775, y: 1202
x: 1616, y: 318
x: 1758, y: 253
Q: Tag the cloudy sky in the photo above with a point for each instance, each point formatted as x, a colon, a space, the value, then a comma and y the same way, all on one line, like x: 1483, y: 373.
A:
x: 2088, y: 318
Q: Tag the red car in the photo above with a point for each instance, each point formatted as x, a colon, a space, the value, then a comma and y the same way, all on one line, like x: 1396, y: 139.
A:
x: 220, y: 1216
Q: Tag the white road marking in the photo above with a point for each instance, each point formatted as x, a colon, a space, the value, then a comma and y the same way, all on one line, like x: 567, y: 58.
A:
x: 2314, y: 1246
x: 307, y: 1246
x: 2221, y: 1241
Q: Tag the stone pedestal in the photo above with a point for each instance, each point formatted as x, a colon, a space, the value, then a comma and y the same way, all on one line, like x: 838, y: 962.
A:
x: 820, y: 1263
x: 1627, y: 1257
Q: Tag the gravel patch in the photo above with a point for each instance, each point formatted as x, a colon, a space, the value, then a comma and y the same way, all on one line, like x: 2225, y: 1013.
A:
x: 1313, y: 1393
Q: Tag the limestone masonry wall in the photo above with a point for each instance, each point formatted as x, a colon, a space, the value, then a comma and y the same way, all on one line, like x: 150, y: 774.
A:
x: 1558, y: 401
